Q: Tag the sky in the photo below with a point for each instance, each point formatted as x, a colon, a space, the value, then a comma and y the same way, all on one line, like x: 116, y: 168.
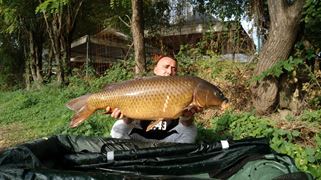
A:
x: 251, y: 30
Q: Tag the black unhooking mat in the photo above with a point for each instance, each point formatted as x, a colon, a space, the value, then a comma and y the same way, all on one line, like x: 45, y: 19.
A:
x: 80, y: 157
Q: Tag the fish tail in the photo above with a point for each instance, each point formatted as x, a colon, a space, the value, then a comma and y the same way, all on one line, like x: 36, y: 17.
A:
x: 82, y: 109
x: 77, y: 103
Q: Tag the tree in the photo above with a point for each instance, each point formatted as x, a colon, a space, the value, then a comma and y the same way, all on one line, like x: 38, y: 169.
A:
x: 285, y: 17
x: 283, y: 25
x: 21, y: 20
x: 137, y: 28
x: 60, y: 17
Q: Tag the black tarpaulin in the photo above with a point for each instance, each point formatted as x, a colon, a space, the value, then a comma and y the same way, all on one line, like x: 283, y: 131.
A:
x: 80, y: 157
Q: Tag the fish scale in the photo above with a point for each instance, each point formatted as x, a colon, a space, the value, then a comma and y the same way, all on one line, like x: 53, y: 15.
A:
x: 150, y: 98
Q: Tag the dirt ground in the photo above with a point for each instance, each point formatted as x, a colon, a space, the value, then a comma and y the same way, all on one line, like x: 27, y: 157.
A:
x: 11, y: 135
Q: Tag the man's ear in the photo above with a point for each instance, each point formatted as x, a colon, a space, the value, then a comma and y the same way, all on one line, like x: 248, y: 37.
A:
x: 155, y: 70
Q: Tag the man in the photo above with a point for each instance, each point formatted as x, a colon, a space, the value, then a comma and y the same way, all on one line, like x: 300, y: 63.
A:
x: 180, y: 130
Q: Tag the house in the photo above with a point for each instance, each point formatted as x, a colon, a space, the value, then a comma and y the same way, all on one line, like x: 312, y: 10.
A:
x: 109, y: 45
x: 100, y: 50
x: 220, y: 37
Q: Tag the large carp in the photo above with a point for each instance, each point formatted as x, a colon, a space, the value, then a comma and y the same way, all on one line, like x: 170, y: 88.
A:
x: 150, y: 98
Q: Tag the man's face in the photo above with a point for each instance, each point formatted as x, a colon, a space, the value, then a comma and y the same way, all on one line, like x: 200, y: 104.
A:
x: 166, y: 66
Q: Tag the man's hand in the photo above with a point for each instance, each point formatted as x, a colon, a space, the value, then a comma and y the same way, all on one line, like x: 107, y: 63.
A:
x: 190, y: 112
x: 116, y: 113
x: 187, y: 116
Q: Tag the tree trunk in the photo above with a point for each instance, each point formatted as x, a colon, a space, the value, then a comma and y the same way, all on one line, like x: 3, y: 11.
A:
x: 27, y: 74
x: 138, y: 35
x: 71, y: 14
x: 57, y: 31
x: 35, y: 57
x: 38, y: 56
x: 49, y: 66
x: 54, y: 31
x: 285, y: 21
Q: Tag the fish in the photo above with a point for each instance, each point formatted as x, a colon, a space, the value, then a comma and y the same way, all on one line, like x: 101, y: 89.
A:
x: 153, y: 98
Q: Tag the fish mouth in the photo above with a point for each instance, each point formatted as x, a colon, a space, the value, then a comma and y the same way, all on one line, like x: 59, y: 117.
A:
x: 225, y: 105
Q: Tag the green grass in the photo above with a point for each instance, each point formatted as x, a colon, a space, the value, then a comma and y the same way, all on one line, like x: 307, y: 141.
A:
x: 26, y: 115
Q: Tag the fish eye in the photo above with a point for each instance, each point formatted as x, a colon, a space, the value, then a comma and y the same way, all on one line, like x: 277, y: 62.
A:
x: 219, y: 94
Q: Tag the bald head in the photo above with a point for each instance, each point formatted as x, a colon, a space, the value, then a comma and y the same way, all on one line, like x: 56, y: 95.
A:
x: 166, y: 66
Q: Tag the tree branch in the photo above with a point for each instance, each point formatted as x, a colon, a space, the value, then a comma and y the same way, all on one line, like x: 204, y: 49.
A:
x: 295, y: 10
x: 275, y: 9
x: 50, y: 33
x: 76, y: 12
x: 123, y: 21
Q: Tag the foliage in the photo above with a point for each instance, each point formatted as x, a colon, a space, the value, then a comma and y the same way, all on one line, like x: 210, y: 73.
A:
x: 25, y: 31
x: 284, y: 66
x: 192, y: 58
x: 11, y: 62
x: 120, y: 4
x: 186, y: 58
x: 158, y: 15
x: 51, y: 6
x: 120, y: 71
x: 119, y: 15
x: 312, y: 90
x: 93, y: 17
x: 301, y: 70
x: 311, y: 116
x: 19, y: 16
x: 8, y: 17
x: 9, y: 73
x: 223, y: 9
x: 312, y: 20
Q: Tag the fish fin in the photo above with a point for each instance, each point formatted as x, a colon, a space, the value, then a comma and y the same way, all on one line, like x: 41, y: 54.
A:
x: 153, y: 124
x: 77, y: 103
x: 81, y: 115
x: 110, y: 86
x: 190, y: 107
